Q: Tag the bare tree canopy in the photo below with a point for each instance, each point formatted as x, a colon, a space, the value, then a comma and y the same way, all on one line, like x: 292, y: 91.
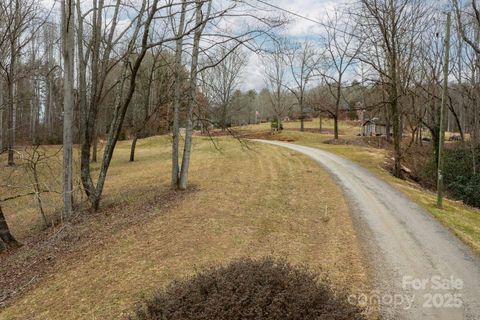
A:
x: 87, y: 74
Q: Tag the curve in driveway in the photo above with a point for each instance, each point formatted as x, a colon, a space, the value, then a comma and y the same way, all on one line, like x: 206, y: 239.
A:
x: 420, y: 269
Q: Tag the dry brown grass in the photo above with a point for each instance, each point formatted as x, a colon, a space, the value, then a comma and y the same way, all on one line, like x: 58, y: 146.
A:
x: 253, y: 203
x: 461, y: 219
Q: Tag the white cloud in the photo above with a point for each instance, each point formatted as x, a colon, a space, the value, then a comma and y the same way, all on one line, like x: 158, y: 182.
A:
x: 253, y: 74
x: 298, y: 29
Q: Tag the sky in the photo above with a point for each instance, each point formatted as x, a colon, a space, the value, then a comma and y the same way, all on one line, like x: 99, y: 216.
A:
x: 298, y: 29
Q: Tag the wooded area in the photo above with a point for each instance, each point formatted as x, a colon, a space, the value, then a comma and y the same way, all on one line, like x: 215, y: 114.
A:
x: 91, y: 73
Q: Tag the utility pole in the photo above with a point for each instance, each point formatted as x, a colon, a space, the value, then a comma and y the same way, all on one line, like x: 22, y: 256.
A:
x: 68, y: 44
x: 442, y: 115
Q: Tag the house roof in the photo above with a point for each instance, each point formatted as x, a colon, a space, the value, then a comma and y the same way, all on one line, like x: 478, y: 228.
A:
x: 375, y: 121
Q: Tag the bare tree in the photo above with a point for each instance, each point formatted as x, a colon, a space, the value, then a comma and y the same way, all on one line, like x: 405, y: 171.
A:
x: 275, y: 77
x: 124, y: 88
x: 221, y: 81
x: 20, y: 21
x: 35, y: 161
x: 428, y: 82
x: 388, y: 29
x: 321, y: 100
x: 468, y: 29
x: 177, y: 96
x: 204, y: 42
x: 95, y: 65
x: 201, y: 22
x: 303, y: 61
x: 341, y: 50
x: 127, y: 63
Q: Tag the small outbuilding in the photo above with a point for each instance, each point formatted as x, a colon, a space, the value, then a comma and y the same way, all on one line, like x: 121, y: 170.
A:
x: 374, y: 127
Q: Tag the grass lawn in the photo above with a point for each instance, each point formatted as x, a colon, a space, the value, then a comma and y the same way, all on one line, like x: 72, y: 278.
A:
x: 463, y: 220
x: 245, y: 202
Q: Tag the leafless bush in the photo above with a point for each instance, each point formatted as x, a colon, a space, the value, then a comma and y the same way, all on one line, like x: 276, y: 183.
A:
x: 41, y: 176
x: 250, y: 289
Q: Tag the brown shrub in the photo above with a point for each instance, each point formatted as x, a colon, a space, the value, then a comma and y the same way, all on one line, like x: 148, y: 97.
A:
x: 250, y: 289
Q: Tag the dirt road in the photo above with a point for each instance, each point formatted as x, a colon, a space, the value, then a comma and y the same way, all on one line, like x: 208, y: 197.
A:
x: 421, y: 270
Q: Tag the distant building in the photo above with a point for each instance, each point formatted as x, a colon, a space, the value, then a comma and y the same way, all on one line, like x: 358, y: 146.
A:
x: 374, y: 127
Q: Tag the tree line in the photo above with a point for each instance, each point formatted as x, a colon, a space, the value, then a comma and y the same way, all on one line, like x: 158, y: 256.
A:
x: 94, y: 72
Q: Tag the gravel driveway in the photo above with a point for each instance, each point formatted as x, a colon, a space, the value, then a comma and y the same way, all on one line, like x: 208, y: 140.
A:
x: 420, y: 269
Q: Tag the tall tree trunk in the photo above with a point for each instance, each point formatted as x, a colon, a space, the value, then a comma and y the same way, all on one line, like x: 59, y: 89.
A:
x: 132, y: 148
x: 420, y: 135
x: 320, y: 127
x: 5, y: 235
x: 176, y: 98
x: 224, y: 117
x: 33, y: 98
x: 31, y: 124
x: 192, y: 92
x: 302, y: 108
x: 10, y: 121
x: 474, y: 141
x: 397, y: 140
x: 48, y: 104
x: 68, y: 104
x: 90, y: 111
x: 302, y: 114
x: 35, y: 110
x: 2, y: 146
x: 14, y: 124
x: 11, y: 92
x: 457, y: 120
x: 388, y: 125
x: 335, y: 126
x: 95, y: 143
x: 337, y: 108
x: 396, y: 117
